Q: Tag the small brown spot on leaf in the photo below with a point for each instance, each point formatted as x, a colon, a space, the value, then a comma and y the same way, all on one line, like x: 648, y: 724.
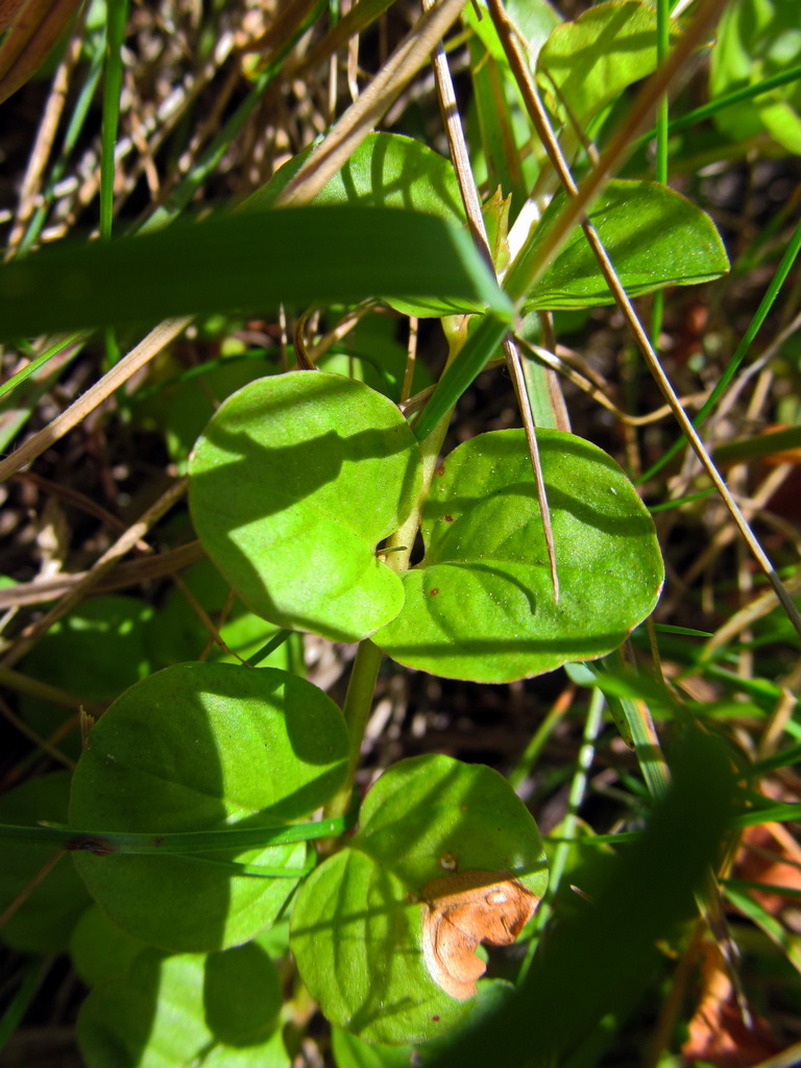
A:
x: 448, y: 518
x: 101, y: 847
x: 434, y: 592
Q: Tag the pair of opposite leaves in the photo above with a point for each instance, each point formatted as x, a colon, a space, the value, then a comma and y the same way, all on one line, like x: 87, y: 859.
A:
x: 462, y: 910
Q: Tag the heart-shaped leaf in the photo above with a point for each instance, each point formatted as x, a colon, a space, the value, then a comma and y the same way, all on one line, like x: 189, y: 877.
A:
x: 364, y: 924
x: 293, y: 484
x: 480, y: 605
x: 168, y: 757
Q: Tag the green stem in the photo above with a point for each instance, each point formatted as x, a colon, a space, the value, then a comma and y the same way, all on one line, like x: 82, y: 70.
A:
x: 356, y: 710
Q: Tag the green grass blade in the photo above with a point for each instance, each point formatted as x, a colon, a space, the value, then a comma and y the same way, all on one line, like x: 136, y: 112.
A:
x: 117, y: 15
x: 473, y: 358
x: 242, y: 263
x: 102, y: 843
x: 31, y: 368
x: 785, y: 758
x: 769, y: 924
x: 33, y: 974
x: 784, y: 813
x: 753, y: 447
x: 721, y: 103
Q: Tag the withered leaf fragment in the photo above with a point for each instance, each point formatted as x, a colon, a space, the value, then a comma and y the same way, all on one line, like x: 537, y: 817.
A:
x: 462, y: 910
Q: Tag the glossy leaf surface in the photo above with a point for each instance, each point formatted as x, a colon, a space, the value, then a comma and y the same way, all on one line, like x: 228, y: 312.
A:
x: 653, y: 236
x: 356, y: 929
x: 168, y: 756
x: 294, y: 483
x: 594, y: 58
x: 480, y: 604
x: 220, y: 1009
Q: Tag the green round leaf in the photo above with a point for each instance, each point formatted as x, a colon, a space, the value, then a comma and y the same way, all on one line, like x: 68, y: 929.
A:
x: 357, y: 924
x: 431, y: 814
x: 387, y: 170
x: 242, y: 995
x: 44, y: 920
x: 269, y: 1054
x: 654, y: 237
x: 182, y: 1010
x: 293, y: 484
x: 357, y: 941
x: 480, y: 605
x: 204, y: 747
x: 100, y: 949
x: 125, y: 1022
x: 352, y: 1052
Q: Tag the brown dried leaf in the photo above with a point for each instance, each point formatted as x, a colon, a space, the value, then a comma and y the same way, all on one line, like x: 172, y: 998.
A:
x: 718, y: 1034
x: 8, y: 9
x: 35, y: 26
x: 463, y: 910
x: 770, y: 854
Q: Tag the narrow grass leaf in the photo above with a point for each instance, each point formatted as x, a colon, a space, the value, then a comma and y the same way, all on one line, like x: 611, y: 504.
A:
x: 471, y: 361
x: 245, y: 262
